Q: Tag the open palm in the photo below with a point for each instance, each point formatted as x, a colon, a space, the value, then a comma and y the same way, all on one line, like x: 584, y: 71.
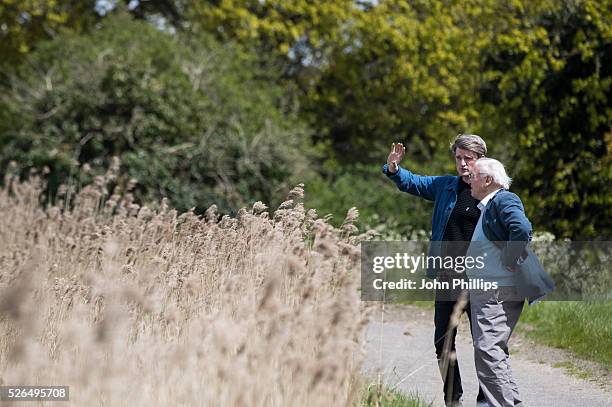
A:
x: 395, y: 156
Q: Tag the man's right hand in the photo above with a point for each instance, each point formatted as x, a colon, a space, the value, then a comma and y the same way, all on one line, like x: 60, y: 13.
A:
x: 395, y: 156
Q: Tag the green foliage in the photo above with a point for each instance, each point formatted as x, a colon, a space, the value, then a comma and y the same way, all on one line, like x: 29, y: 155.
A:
x: 382, y: 206
x: 532, y: 78
x: 368, y: 74
x: 306, y: 28
x: 24, y: 23
x: 584, y: 328
x: 190, y: 119
x: 397, y: 75
x: 549, y: 80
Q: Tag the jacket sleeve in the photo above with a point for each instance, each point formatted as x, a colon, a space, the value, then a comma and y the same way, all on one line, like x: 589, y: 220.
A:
x: 518, y: 227
x: 418, y: 185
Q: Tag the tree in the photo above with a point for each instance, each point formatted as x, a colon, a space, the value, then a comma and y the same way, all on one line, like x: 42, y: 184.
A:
x: 548, y: 86
x: 24, y: 23
x: 367, y: 72
x: 191, y: 119
x: 422, y: 71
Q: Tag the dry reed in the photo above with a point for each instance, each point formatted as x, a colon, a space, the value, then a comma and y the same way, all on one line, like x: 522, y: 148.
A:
x: 131, y: 306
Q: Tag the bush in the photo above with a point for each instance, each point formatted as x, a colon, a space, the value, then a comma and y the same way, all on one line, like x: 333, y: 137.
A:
x: 190, y: 119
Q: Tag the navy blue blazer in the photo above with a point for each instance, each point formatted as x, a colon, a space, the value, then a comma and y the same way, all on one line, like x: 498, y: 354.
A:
x: 505, y: 222
x: 506, y: 225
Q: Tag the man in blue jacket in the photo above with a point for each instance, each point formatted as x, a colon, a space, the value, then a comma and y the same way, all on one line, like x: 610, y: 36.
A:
x: 455, y: 215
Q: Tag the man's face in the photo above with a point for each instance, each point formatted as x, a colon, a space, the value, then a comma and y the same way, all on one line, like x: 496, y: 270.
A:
x: 479, y: 183
x: 464, y: 161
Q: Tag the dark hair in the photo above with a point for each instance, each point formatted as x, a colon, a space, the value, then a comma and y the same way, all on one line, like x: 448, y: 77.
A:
x: 470, y: 142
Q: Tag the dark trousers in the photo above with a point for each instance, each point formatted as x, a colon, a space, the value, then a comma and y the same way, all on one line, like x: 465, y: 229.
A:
x: 452, y: 381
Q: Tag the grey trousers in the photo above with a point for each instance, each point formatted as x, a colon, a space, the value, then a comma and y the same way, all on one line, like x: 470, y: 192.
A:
x: 494, y: 317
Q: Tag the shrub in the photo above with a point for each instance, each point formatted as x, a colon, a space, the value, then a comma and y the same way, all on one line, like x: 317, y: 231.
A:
x: 191, y: 119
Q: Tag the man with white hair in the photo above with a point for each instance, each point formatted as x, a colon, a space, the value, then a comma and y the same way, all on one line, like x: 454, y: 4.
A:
x: 501, y: 236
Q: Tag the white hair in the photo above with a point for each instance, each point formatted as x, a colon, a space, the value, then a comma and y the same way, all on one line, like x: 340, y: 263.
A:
x: 494, y: 169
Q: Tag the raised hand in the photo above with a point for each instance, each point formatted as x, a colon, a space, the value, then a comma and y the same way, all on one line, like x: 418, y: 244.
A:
x: 395, y: 156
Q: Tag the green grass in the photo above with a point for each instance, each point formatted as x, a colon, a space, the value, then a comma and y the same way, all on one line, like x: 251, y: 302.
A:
x: 584, y: 328
x: 375, y: 395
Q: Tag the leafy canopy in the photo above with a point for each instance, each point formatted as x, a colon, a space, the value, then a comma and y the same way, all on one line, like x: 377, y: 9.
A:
x: 190, y: 119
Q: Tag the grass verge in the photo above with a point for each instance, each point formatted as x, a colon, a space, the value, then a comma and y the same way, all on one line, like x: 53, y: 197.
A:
x: 584, y: 328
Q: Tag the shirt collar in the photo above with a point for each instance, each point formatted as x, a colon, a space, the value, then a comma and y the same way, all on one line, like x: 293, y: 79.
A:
x: 483, y: 203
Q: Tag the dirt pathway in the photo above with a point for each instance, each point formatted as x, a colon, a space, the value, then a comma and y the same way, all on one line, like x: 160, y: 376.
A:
x: 401, y: 350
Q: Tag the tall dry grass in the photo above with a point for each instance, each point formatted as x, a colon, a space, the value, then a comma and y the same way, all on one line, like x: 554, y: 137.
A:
x: 131, y: 306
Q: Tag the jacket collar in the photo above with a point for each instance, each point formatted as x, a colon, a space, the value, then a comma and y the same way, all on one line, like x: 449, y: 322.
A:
x: 496, y: 193
x: 483, y: 203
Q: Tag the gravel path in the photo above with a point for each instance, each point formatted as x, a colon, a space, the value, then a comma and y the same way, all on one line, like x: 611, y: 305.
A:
x: 401, y: 350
